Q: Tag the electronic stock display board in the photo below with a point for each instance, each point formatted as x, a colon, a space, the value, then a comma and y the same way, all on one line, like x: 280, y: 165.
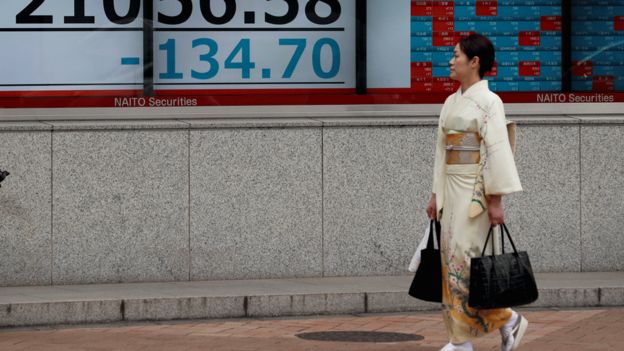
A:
x: 135, y: 53
x: 526, y: 35
x: 94, y: 47
x: 598, y: 45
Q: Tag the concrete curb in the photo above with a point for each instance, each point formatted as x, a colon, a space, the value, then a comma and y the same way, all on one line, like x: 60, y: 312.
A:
x: 28, y: 306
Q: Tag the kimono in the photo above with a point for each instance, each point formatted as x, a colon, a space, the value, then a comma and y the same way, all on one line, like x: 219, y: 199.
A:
x: 461, y: 191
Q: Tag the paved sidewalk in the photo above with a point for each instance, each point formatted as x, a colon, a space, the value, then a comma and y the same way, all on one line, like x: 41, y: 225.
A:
x: 105, y: 303
x: 549, y: 330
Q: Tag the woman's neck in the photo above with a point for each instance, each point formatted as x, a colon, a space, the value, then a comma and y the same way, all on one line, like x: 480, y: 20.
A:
x: 470, y: 82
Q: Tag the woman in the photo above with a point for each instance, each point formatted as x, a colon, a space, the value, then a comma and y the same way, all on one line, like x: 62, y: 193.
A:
x: 474, y: 168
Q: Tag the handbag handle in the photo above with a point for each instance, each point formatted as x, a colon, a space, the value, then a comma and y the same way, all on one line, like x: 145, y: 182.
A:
x: 508, y: 236
x: 431, y: 231
x: 503, y: 230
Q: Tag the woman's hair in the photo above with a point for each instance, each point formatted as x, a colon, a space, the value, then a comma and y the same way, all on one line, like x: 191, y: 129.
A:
x: 479, y: 45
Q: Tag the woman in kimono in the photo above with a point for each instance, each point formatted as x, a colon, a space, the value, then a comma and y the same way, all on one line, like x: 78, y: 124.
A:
x: 474, y: 167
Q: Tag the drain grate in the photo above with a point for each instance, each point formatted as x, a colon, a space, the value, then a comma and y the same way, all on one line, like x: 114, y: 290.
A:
x: 359, y: 336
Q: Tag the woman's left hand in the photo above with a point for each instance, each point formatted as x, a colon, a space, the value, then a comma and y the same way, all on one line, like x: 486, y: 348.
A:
x: 495, y: 210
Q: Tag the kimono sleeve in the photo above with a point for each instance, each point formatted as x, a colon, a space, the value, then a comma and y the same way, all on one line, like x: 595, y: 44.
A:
x: 440, y: 154
x: 500, y: 176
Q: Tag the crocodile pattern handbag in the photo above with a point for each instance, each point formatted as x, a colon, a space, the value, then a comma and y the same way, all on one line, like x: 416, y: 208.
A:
x: 501, y: 280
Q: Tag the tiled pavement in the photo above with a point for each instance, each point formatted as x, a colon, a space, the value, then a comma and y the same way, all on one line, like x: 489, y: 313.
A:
x: 549, y: 330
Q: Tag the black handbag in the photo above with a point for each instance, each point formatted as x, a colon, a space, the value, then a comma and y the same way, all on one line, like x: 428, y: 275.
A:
x: 427, y: 283
x: 501, y: 280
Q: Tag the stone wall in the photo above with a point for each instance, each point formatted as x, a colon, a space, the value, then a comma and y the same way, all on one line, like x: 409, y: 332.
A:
x: 201, y: 199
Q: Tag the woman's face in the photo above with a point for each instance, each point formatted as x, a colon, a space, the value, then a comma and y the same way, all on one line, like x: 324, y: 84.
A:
x: 461, y: 66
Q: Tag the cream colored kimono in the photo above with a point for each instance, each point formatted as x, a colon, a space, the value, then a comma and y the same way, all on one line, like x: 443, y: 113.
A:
x: 457, y: 188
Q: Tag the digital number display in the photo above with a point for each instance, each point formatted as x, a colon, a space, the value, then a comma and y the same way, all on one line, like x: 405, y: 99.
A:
x: 28, y: 16
x: 228, y: 44
x: 198, y: 44
x: 71, y: 44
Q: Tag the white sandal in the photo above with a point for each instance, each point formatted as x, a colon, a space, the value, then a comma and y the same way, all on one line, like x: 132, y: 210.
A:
x: 467, y: 346
x: 511, y: 339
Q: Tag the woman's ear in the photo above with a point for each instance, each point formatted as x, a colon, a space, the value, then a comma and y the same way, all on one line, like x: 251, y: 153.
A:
x: 475, y: 62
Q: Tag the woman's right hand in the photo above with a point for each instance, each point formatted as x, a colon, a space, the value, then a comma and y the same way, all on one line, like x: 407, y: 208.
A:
x: 432, y: 209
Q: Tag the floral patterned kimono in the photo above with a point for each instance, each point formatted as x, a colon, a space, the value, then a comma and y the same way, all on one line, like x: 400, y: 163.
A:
x: 461, y: 190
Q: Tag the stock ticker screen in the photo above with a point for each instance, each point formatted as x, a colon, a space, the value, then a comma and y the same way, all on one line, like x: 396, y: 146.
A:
x: 526, y: 35
x: 78, y: 53
x: 598, y: 45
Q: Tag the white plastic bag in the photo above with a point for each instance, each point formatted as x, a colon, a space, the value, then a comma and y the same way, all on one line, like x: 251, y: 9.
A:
x: 413, y: 266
